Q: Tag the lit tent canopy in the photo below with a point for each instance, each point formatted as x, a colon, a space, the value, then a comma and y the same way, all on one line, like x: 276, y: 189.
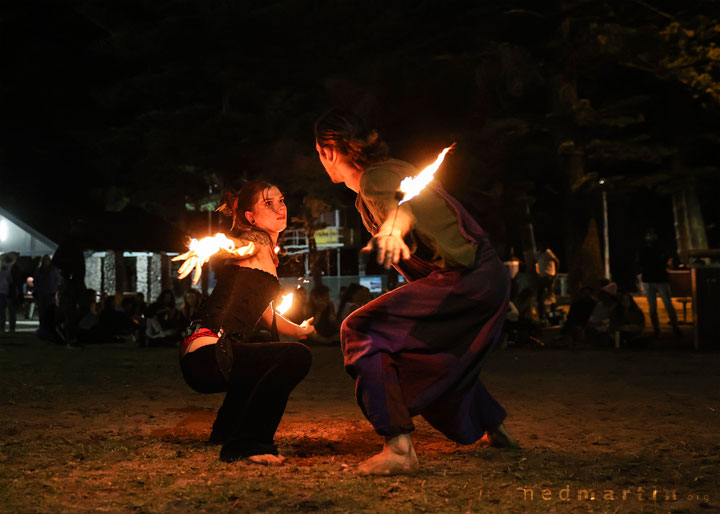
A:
x: 17, y: 236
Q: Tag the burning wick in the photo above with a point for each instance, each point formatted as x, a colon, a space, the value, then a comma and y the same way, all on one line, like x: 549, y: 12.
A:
x: 410, y: 187
x: 201, y: 251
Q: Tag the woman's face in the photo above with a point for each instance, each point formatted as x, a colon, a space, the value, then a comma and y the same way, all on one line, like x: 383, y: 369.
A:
x: 269, y: 211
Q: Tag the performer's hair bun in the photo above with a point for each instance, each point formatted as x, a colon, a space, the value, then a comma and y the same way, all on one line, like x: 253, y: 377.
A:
x: 229, y: 204
x: 347, y: 131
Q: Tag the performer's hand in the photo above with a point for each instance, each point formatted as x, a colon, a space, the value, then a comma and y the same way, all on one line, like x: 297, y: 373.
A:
x: 192, y: 262
x: 390, y: 249
x: 305, y: 329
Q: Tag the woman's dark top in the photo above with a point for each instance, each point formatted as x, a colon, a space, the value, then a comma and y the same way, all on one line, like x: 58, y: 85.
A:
x: 238, y: 301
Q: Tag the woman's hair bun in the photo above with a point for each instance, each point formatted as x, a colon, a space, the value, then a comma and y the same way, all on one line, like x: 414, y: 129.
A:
x: 229, y: 203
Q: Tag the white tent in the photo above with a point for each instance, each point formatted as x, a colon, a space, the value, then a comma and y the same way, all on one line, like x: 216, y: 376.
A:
x: 17, y: 236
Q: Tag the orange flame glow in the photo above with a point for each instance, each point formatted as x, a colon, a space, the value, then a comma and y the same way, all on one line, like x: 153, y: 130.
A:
x: 201, y: 250
x: 412, y: 186
x: 285, y: 304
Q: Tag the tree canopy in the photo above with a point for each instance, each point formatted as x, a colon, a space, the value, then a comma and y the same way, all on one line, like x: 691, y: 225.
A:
x: 162, y: 104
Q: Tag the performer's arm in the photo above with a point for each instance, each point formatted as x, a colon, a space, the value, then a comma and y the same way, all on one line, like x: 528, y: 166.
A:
x: 287, y: 327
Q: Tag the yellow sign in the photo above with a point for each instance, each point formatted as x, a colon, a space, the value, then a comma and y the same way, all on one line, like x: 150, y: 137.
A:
x: 328, y: 236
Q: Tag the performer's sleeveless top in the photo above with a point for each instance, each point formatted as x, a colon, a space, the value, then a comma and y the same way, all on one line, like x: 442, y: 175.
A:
x: 238, y: 301
x: 240, y: 296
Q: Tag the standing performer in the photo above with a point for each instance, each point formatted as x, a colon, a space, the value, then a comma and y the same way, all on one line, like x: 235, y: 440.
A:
x: 218, y: 355
x: 417, y: 349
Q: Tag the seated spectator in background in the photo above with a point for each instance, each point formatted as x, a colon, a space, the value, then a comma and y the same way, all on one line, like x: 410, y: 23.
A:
x: 599, y: 325
x: 165, y: 322
x: 141, y: 306
x: 115, y: 319
x: 524, y: 304
x: 579, y: 314
x: 300, y: 310
x: 89, y: 330
x: 355, y: 296
x: 338, y: 300
x: 28, y: 299
x: 324, y: 318
x: 519, y: 325
x: 191, y: 302
x: 627, y: 318
x: 135, y: 323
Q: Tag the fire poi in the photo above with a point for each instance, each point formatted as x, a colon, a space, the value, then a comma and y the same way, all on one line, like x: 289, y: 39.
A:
x: 410, y: 187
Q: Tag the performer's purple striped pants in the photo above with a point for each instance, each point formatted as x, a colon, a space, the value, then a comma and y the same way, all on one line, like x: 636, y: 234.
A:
x: 417, y: 350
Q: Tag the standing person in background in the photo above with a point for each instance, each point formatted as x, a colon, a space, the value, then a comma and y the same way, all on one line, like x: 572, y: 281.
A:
x: 7, y: 291
x: 70, y: 259
x: 416, y: 350
x: 47, y: 279
x: 513, y: 266
x: 547, y: 267
x: 652, y: 261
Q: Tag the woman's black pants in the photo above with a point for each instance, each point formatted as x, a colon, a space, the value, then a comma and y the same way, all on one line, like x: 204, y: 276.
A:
x: 261, y: 379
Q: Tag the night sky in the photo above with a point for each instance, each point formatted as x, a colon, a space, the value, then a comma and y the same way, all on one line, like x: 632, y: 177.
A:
x: 128, y: 104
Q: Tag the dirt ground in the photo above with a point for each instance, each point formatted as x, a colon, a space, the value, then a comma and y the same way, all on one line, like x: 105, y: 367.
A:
x: 113, y: 428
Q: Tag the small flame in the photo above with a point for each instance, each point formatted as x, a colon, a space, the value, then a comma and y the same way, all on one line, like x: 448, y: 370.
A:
x: 285, y: 304
x: 412, y: 186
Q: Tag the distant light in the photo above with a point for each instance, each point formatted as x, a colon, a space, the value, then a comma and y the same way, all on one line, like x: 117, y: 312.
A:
x: 601, y: 181
x: 3, y: 230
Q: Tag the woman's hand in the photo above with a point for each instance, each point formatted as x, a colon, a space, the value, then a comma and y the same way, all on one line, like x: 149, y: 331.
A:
x: 192, y: 262
x: 390, y: 248
x: 305, y: 329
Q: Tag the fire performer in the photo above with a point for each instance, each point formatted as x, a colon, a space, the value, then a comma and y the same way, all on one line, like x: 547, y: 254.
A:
x: 218, y: 355
x: 416, y: 350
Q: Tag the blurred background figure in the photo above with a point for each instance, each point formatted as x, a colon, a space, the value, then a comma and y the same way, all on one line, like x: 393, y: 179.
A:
x: 164, y: 322
x: 28, y: 305
x: 354, y: 297
x: 70, y: 260
x: 8, y: 292
x: 325, y: 320
x: 599, y: 325
x: 627, y: 320
x: 45, y: 286
x: 547, y: 266
x: 653, y: 262
x: 581, y: 308
x: 512, y: 263
x: 191, y: 302
x: 300, y: 310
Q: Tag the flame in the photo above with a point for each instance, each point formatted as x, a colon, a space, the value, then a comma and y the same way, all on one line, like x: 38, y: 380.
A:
x: 209, y: 246
x: 412, y: 186
x: 201, y: 250
x: 285, y: 304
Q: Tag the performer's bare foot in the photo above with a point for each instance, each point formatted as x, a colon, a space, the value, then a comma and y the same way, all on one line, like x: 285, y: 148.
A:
x: 396, y: 458
x: 500, y: 438
x: 267, y: 459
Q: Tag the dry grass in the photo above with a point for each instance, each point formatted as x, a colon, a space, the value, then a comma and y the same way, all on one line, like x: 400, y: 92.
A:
x: 115, y: 429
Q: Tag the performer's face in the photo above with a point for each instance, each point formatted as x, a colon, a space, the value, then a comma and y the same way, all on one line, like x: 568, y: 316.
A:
x: 269, y: 211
